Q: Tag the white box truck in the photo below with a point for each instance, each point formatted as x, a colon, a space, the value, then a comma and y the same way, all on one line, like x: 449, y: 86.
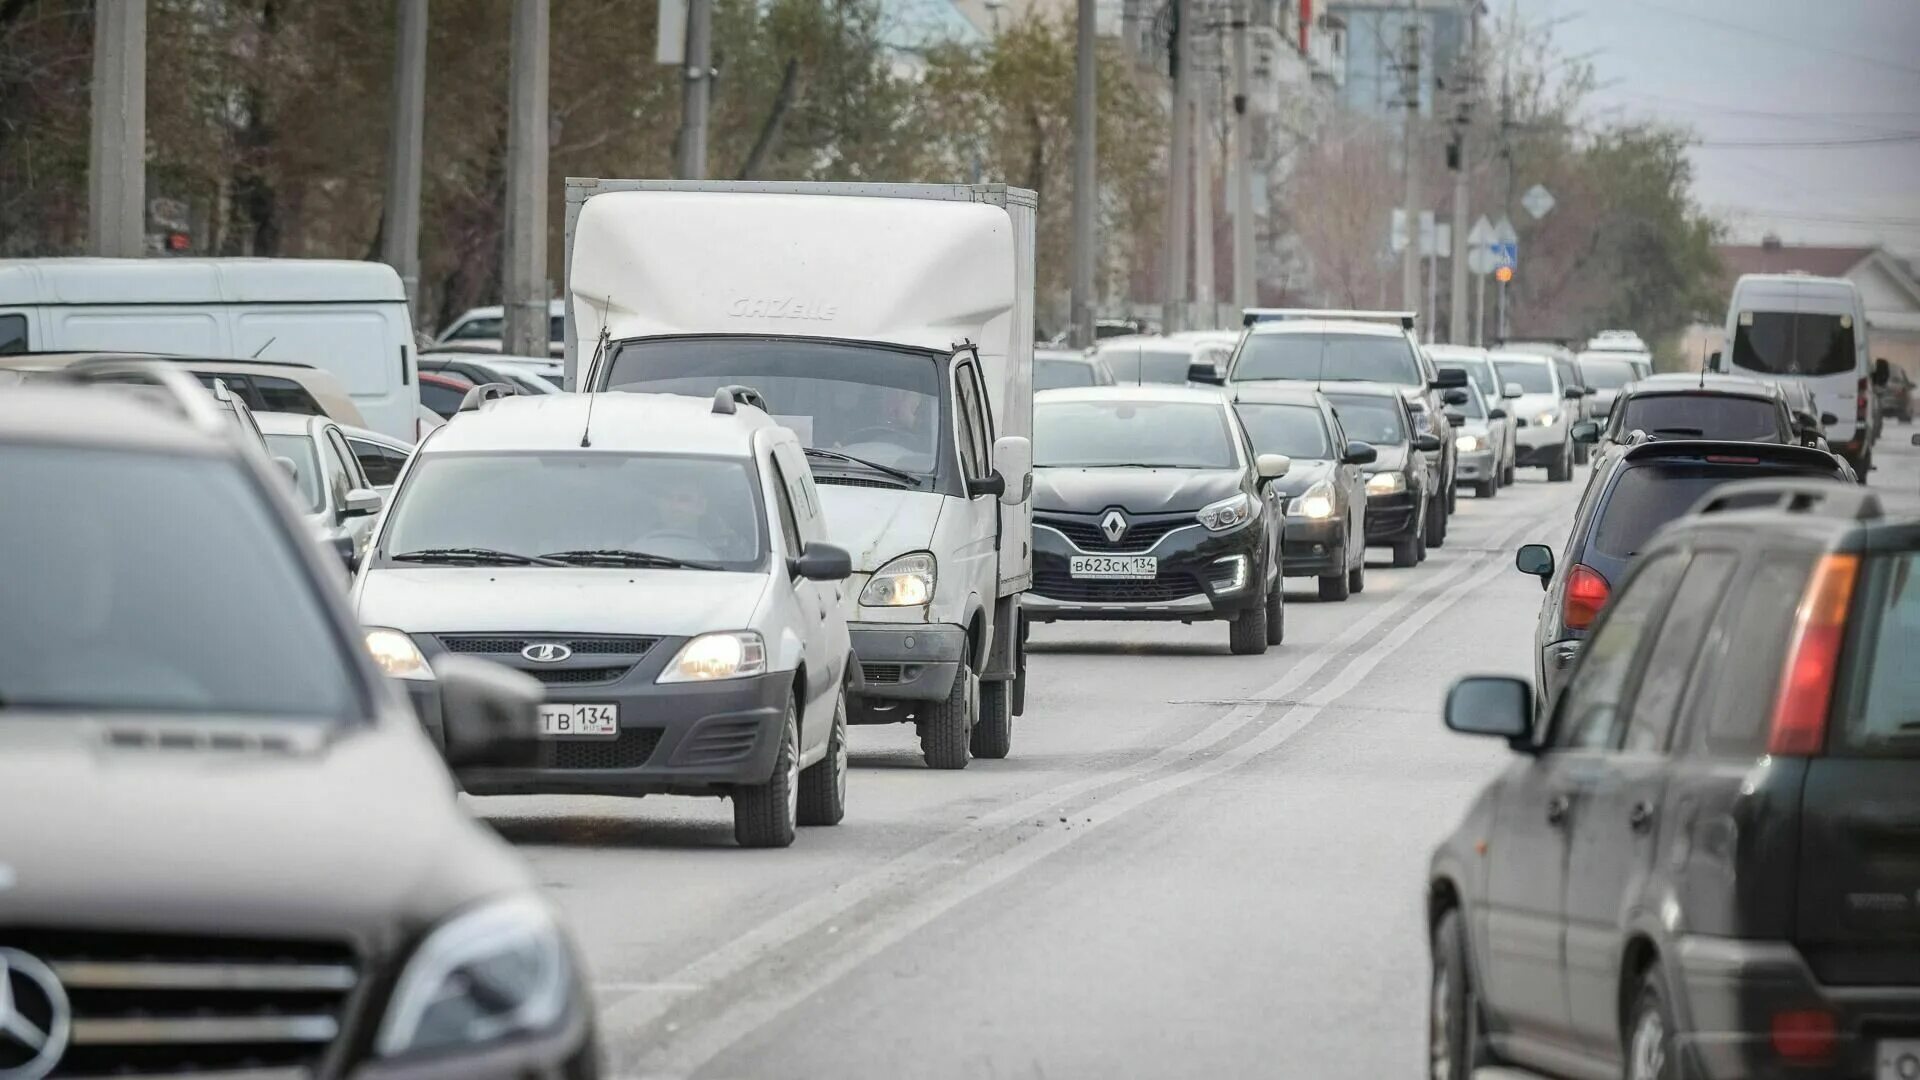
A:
x: 347, y: 318
x: 891, y: 327
x: 1811, y: 330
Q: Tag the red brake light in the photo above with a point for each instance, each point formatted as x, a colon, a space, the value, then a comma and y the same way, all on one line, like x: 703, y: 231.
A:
x: 1804, y: 1034
x: 1813, y: 658
x: 1586, y: 595
x: 1860, y: 400
x: 1729, y: 459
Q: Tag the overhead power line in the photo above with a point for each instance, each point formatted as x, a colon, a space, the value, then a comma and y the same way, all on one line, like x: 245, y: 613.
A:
x: 1888, y: 139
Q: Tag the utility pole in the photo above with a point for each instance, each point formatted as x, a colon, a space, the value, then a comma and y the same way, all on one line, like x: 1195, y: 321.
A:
x: 1245, y: 283
x: 400, y: 236
x: 697, y: 91
x: 1410, y: 99
x: 1179, y: 170
x: 1203, y: 259
x: 1480, y: 311
x: 525, y: 286
x: 117, y: 147
x: 1467, y: 80
x: 1086, y: 183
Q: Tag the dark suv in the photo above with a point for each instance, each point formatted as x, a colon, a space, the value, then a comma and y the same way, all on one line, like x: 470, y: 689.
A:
x: 1629, y: 496
x: 1704, y: 862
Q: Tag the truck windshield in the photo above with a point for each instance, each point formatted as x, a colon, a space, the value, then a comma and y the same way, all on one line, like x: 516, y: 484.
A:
x: 874, y: 403
x: 1328, y: 358
x: 1792, y: 343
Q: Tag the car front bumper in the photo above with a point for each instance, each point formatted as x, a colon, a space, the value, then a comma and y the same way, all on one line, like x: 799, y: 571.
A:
x: 1311, y: 548
x: 1536, y: 444
x: 1474, y: 465
x: 1393, y: 518
x: 1201, y: 575
x: 904, y: 662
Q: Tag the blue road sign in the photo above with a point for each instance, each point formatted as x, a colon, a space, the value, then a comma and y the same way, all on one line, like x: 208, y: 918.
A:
x: 1505, y: 254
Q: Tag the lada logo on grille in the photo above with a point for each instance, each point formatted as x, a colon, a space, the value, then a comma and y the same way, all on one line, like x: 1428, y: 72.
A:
x: 546, y: 652
x: 1114, y: 525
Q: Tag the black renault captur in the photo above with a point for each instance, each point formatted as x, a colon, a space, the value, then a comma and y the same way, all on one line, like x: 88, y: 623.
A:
x: 1149, y: 502
x: 228, y: 846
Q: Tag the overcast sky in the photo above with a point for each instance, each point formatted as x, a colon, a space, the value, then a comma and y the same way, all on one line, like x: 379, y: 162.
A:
x: 1770, y: 71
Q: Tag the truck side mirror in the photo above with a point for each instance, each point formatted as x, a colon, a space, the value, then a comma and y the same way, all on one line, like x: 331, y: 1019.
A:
x: 1013, y: 461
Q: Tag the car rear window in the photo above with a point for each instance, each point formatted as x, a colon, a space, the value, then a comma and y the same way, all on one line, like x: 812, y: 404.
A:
x: 1606, y: 373
x: 1136, y: 364
x: 1534, y: 376
x: 1705, y: 416
x: 1647, y: 496
x: 1884, y: 717
x: 1370, y: 418
x: 1328, y: 358
x: 1058, y: 374
x: 1793, y: 343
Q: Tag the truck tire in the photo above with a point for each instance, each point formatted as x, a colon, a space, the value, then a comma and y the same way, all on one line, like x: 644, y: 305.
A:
x: 764, y: 815
x: 1248, y: 636
x: 993, y: 732
x: 1276, y: 615
x: 823, y: 785
x: 946, y: 727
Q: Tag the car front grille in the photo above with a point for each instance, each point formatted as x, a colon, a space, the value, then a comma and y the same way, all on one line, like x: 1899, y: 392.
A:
x: 570, y: 676
x: 629, y: 750
x: 510, y: 645
x: 149, y: 1004
x: 1057, y: 584
x: 1141, y: 535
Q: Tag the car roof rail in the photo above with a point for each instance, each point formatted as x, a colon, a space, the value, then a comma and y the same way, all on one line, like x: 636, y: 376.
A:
x: 727, y: 398
x: 1250, y: 316
x: 178, y: 390
x: 1827, y: 498
x: 482, y: 394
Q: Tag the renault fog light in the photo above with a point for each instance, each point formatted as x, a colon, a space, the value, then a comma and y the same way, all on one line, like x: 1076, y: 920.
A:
x: 1386, y: 483
x: 905, y: 582
x: 396, y: 654
x: 730, y: 655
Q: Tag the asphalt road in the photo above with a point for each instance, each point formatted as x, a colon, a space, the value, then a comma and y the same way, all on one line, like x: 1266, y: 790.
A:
x: 1193, y: 864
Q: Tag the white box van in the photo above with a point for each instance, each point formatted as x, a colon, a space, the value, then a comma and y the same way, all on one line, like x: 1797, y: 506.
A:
x: 347, y: 318
x: 891, y: 327
x: 1794, y: 327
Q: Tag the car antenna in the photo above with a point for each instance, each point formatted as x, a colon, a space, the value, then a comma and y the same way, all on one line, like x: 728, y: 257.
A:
x: 1320, y: 375
x: 264, y: 347
x: 1703, y: 362
x: 599, y: 349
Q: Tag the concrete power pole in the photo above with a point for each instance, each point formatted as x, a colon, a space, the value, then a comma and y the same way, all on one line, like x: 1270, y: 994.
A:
x: 400, y: 237
x: 697, y: 92
x: 1086, y: 182
x: 1410, y: 99
x: 525, y: 286
x: 1179, y: 169
x: 1245, y: 283
x: 1203, y: 260
x: 1468, y: 80
x: 117, y: 148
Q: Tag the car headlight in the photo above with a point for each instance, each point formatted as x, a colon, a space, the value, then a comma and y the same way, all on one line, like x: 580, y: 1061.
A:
x: 904, y: 582
x: 1386, y: 483
x: 1470, y: 443
x: 1422, y: 423
x: 499, y: 969
x: 1547, y: 419
x: 1315, y: 503
x: 396, y: 654
x: 1229, y: 513
x: 730, y: 654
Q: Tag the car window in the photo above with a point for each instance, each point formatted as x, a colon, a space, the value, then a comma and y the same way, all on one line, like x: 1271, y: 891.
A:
x: 1606, y: 373
x: 285, y: 395
x: 783, y: 505
x: 1647, y: 496
x: 1328, y: 358
x: 1569, y: 375
x: 1704, y: 416
x: 966, y: 431
x: 1138, y: 434
x: 1058, y: 374
x: 237, y: 385
x: 480, y: 328
x: 1298, y: 431
x: 1793, y: 343
x: 557, y: 328
x: 1883, y: 717
x: 441, y: 399
x: 380, y: 463
x: 1133, y: 364
x: 1482, y: 374
x: 1533, y: 376
x: 1371, y: 419
x: 13, y: 334
x: 1671, y: 662
x: 344, y: 460
x: 1589, y: 712
x: 170, y: 588
x: 1756, y: 626
x: 983, y: 413
x: 306, y: 468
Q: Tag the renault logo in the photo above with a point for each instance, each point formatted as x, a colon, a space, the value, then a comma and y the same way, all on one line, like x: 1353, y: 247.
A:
x: 540, y: 652
x: 35, y: 1019
x: 1114, y: 525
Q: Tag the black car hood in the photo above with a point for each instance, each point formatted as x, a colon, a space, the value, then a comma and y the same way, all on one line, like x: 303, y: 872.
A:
x: 1137, y: 491
x: 1303, y: 474
x: 1388, y: 457
x: 353, y: 837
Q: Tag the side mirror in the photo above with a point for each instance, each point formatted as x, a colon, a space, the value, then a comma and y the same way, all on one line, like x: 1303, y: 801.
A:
x: 1535, y: 559
x: 1496, y: 414
x: 1449, y: 378
x: 1512, y: 390
x: 991, y: 484
x: 344, y: 546
x: 1573, y: 393
x: 1495, y: 705
x: 1455, y: 419
x: 491, y: 713
x: 1882, y: 372
x: 1205, y: 371
x: 1359, y: 453
x: 360, y: 502
x: 1272, y: 466
x: 1827, y: 418
x: 1427, y: 444
x: 287, y: 466
x: 1455, y: 396
x: 822, y: 562
x: 1916, y: 439
x: 1586, y: 431
x: 1013, y: 460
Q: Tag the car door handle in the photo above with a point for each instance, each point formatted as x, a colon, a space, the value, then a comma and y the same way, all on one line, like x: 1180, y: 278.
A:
x: 1557, y: 808
x: 1641, y: 816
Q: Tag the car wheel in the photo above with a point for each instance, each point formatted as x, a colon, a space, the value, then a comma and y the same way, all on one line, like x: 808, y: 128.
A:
x: 1507, y: 476
x: 764, y: 814
x: 1580, y: 452
x: 1437, y: 526
x: 1454, y: 1044
x: 1561, y: 469
x: 1486, y: 489
x: 946, y: 727
x: 993, y: 732
x: 1649, y: 1048
x: 1357, y: 578
x: 1453, y: 498
x: 1421, y: 546
x: 823, y: 786
x: 1335, y: 586
x: 1248, y: 636
x: 1276, y: 615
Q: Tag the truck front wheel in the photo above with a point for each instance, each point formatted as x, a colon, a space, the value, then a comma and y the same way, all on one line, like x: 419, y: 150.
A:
x: 946, y: 727
x: 993, y: 732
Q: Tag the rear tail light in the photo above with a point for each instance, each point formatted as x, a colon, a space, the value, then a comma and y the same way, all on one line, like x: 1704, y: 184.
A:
x: 1729, y: 459
x: 1813, y: 658
x: 1586, y: 595
x: 1860, y: 401
x: 1804, y: 1034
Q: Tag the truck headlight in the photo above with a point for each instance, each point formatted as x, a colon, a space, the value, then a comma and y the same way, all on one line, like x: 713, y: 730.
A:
x: 730, y: 654
x: 1386, y: 483
x: 905, y: 582
x: 1229, y: 513
x: 496, y: 970
x: 1315, y: 503
x: 396, y: 654
x: 1470, y: 443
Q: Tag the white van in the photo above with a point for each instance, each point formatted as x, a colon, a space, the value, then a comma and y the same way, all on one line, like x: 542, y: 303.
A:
x: 891, y: 327
x: 1798, y: 328
x: 347, y: 318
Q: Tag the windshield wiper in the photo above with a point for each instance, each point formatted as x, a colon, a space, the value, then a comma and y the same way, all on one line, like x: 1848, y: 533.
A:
x: 835, y: 455
x: 624, y: 557
x: 473, y: 555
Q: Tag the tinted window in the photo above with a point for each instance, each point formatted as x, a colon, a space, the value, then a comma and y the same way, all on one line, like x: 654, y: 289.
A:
x: 170, y: 587
x: 13, y: 334
x: 1298, y: 431
x: 1169, y: 435
x: 381, y: 463
x: 1569, y: 375
x: 1370, y: 419
x: 557, y: 328
x: 344, y: 463
x: 1328, y: 358
x: 441, y: 399
x: 1790, y: 343
x: 1590, y: 706
x: 479, y: 329
x: 684, y: 507
x: 1475, y: 408
x: 789, y: 524
x: 1886, y: 718
x: 1135, y: 364
x: 1056, y: 374
x: 1704, y: 416
x: 306, y: 468
x: 966, y: 429
x: 1670, y: 664
x: 285, y: 395
x: 1534, y: 377
x: 1606, y: 374
x: 1757, y: 624
x: 1649, y: 496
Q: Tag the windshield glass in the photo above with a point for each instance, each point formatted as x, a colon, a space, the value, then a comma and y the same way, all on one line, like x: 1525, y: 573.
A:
x: 1297, y: 431
x: 1370, y: 419
x: 1061, y: 374
x: 306, y: 467
x: 1477, y: 369
x: 1475, y: 407
x: 1134, y: 364
x: 882, y: 405
x: 1534, y: 376
x: 1606, y: 373
x: 158, y: 583
x: 681, y: 507
x: 1706, y: 416
x: 1885, y: 717
x: 1328, y: 358
x: 1790, y: 343
x: 1147, y: 434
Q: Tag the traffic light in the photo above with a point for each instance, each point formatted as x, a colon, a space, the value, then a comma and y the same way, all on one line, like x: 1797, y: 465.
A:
x: 1503, y: 275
